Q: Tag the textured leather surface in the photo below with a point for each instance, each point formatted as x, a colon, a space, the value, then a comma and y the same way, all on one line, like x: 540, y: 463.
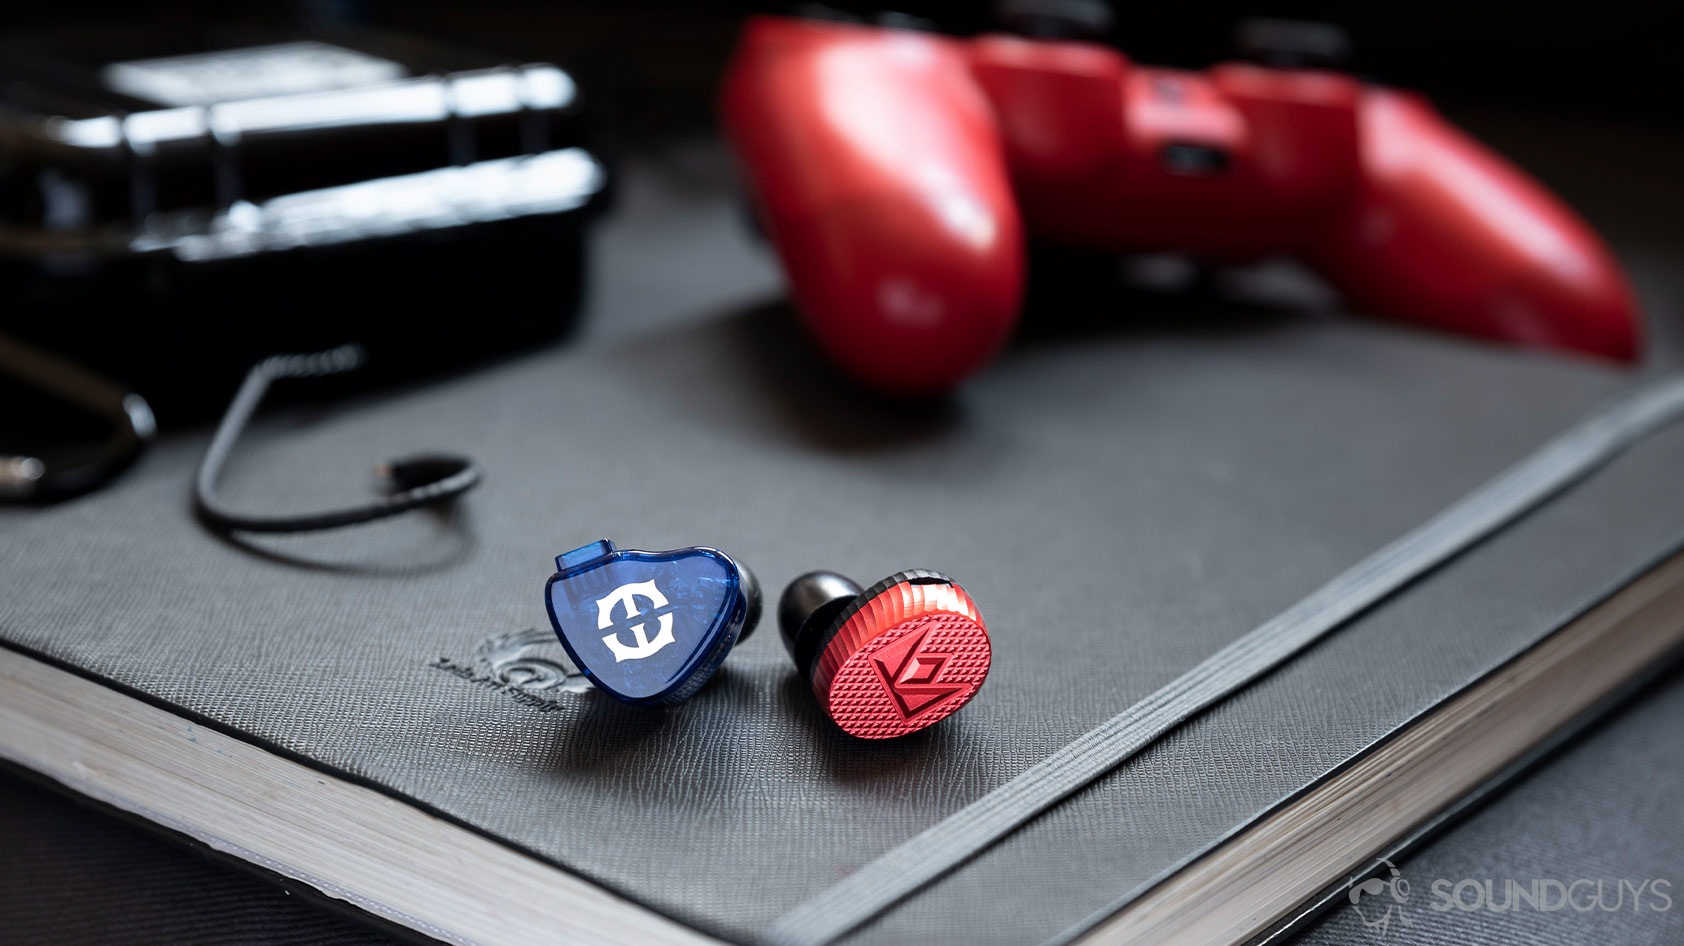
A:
x: 1524, y: 487
x: 1605, y: 810
x: 1121, y: 497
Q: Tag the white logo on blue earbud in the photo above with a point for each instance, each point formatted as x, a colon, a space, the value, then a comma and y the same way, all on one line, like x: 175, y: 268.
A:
x: 628, y: 594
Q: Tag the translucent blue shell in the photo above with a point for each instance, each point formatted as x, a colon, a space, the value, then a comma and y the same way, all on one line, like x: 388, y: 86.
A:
x: 646, y: 627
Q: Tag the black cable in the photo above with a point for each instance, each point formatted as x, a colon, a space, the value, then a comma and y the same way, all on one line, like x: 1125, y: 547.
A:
x: 419, y: 481
x: 67, y: 470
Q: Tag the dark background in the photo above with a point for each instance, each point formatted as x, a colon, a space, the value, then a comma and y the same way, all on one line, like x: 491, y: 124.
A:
x: 1588, y: 96
x: 653, y: 66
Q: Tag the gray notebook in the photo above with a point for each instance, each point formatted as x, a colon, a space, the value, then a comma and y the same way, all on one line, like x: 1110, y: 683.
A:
x: 1121, y: 497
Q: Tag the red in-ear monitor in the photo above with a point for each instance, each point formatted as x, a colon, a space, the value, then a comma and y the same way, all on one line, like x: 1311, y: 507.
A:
x: 890, y: 659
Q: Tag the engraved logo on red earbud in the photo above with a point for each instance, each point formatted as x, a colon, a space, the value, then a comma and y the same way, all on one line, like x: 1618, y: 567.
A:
x: 909, y: 673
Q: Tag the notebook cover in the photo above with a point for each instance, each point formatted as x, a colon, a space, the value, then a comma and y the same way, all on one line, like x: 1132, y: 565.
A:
x: 1121, y: 495
x: 1602, y: 809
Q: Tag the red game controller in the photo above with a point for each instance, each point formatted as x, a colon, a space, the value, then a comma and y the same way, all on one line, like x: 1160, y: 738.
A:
x: 897, y: 171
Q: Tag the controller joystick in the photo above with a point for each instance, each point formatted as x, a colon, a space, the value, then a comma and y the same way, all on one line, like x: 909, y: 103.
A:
x: 886, y: 660
x: 899, y: 175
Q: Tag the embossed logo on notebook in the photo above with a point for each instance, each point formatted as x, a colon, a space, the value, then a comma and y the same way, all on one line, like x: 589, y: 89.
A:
x: 529, y: 665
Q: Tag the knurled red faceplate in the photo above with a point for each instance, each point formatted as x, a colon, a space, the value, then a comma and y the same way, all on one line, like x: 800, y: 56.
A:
x: 908, y: 658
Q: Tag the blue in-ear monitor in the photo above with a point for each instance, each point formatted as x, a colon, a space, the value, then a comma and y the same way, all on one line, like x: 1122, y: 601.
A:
x: 650, y: 627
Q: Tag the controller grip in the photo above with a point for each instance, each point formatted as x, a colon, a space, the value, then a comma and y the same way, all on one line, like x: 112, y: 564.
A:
x: 1443, y: 232
x: 877, y: 171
